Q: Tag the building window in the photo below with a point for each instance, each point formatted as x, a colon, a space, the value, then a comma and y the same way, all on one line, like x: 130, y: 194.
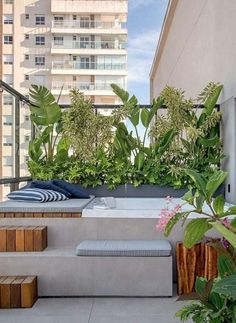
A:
x: 7, y: 140
x: 7, y: 99
x: 8, y: 39
x: 39, y: 60
x: 84, y: 22
x: 74, y: 37
x: 27, y: 118
x: 39, y: 40
x: 26, y: 36
x: 8, y: 59
x: 59, y: 18
x: 7, y: 120
x: 8, y: 78
x: 26, y: 159
x: 40, y: 20
x: 58, y: 40
x: 8, y: 19
x: 26, y: 57
x: 74, y: 17
x: 27, y: 138
x: 74, y: 78
x: 7, y: 161
x: 26, y: 16
x: 26, y: 77
x: 8, y: 1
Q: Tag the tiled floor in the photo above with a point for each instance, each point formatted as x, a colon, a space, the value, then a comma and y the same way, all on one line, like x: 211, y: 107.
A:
x: 96, y: 310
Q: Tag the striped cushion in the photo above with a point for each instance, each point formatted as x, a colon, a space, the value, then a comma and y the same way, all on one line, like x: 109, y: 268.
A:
x: 36, y: 195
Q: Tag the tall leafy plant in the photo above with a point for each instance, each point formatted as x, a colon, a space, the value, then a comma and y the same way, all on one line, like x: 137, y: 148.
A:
x: 46, y: 117
x: 129, y: 144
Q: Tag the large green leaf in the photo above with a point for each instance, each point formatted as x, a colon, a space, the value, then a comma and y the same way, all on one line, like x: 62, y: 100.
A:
x: 173, y: 221
x: 134, y: 117
x: 229, y: 235
x: 157, y: 104
x: 145, y: 118
x: 214, y: 182
x: 122, y: 94
x: 34, y: 149
x: 226, y: 286
x: 218, y: 204
x: 62, y: 150
x: 225, y: 265
x: 209, y: 142
x: 166, y: 141
x: 194, y: 231
x: 44, y: 109
x: 139, y: 160
x: 198, y: 180
x: 212, y: 100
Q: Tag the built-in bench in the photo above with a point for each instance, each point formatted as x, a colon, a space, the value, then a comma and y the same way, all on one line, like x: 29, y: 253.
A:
x: 71, y: 208
x: 129, y: 267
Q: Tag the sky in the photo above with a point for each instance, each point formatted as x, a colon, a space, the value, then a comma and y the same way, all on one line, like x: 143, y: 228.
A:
x: 145, y: 20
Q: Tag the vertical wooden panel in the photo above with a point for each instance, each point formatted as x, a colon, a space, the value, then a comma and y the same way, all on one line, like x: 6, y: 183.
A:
x: 11, y: 239
x: 6, y: 292
x: 29, y: 238
x: 3, y: 239
x: 40, y: 238
x: 200, y: 260
x: 28, y: 292
x: 16, y: 292
x: 20, y: 239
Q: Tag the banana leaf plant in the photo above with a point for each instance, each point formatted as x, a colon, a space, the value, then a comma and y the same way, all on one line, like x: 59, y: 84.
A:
x: 132, y: 145
x: 46, y: 116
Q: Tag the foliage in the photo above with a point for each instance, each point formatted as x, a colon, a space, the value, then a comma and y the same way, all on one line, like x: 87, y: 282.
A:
x: 46, y: 117
x: 196, y: 144
x: 210, y: 304
x: 86, y: 131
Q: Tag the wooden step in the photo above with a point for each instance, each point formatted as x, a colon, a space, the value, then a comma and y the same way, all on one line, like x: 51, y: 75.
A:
x: 23, y: 238
x: 18, y: 291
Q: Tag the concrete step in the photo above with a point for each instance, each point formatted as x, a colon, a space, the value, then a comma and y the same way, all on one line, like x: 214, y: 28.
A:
x: 61, y: 273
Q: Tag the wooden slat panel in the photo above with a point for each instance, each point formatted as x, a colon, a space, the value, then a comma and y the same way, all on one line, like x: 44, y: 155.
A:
x: 40, y: 238
x: 3, y: 239
x: 28, y: 292
x: 29, y: 238
x: 16, y: 293
x: 66, y: 215
x: 2, y: 215
x: 11, y: 239
x: 6, y: 292
x: 20, y: 239
x: 19, y: 215
x: 76, y: 215
x: 38, y: 215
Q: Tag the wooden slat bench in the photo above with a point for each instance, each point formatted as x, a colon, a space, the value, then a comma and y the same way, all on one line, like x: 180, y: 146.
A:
x: 23, y: 238
x: 18, y: 291
x: 40, y: 215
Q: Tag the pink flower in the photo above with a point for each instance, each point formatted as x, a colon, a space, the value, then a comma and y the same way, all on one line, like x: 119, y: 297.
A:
x: 226, y: 223
x: 165, y: 217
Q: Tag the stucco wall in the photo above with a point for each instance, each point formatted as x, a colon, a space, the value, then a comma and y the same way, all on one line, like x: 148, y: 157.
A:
x: 200, y: 46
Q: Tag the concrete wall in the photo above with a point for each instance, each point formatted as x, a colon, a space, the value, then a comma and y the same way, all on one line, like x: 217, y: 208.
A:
x: 199, y: 47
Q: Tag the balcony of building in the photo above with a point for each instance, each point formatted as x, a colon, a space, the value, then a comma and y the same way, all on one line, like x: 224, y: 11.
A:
x: 88, y: 27
x: 87, y: 68
x: 88, y: 88
x: 89, y: 47
x: 84, y: 6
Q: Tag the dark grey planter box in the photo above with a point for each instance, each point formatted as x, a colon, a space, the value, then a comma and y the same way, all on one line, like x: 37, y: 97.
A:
x: 129, y: 190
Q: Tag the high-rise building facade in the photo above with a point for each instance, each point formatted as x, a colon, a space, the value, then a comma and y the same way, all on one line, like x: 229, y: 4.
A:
x: 62, y: 44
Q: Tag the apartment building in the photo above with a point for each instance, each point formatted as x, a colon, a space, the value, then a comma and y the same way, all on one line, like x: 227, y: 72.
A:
x: 62, y: 44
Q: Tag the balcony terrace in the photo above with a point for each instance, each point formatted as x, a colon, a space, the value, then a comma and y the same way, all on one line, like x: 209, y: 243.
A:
x: 86, y: 68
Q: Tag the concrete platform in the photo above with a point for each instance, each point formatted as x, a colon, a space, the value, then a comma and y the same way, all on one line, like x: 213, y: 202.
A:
x: 96, y: 310
x: 61, y: 273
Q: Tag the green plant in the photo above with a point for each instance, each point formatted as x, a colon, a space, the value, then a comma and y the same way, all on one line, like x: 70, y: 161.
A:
x: 197, y: 144
x: 86, y: 131
x: 46, y: 117
x: 127, y: 145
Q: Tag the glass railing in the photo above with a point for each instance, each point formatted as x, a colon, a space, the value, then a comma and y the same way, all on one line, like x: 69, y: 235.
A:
x: 92, y: 24
x: 66, y: 44
x: 83, y: 86
x: 64, y: 65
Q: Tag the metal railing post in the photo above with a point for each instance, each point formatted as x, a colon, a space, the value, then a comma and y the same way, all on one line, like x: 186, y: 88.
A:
x: 17, y: 140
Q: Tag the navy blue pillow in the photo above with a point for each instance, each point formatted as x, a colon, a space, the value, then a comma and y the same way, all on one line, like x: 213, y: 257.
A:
x: 76, y: 191
x: 48, y: 185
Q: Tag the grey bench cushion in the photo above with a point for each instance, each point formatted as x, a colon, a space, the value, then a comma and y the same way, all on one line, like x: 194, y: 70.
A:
x: 71, y: 205
x: 124, y: 248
